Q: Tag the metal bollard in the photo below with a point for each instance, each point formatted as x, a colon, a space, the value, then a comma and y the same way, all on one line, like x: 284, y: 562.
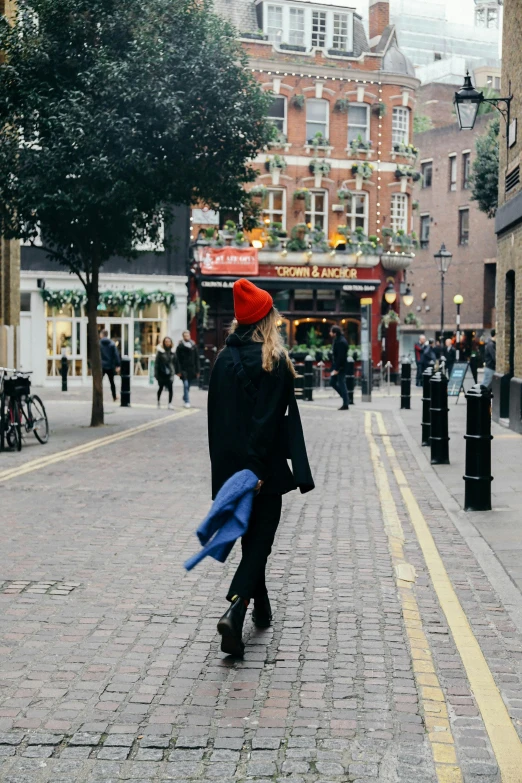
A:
x: 308, y: 384
x: 426, y: 403
x: 406, y: 385
x: 478, y: 478
x: 64, y: 371
x: 206, y: 375
x: 439, y: 438
x: 125, y: 375
x: 350, y: 379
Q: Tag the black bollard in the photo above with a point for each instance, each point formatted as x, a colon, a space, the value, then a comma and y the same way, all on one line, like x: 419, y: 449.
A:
x: 202, y: 372
x: 426, y: 403
x: 350, y: 378
x: 308, y: 383
x: 406, y: 385
x: 64, y: 371
x: 206, y: 374
x: 125, y: 374
x: 439, y: 438
x: 478, y: 478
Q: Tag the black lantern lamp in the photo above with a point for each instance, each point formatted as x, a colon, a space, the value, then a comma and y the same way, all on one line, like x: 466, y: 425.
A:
x: 407, y: 297
x: 467, y: 102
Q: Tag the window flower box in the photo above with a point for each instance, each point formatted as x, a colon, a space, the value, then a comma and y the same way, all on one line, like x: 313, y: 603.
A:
x: 292, y: 47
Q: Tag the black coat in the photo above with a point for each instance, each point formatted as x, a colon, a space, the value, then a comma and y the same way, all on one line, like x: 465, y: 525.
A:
x: 188, y: 361
x: 247, y: 432
x: 340, y: 354
x: 490, y: 354
x: 427, y: 356
x: 110, y: 358
x: 450, y: 354
x: 165, y: 366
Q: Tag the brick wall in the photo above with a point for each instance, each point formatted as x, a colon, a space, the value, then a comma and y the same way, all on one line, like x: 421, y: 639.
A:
x: 379, y: 17
x: 435, y: 100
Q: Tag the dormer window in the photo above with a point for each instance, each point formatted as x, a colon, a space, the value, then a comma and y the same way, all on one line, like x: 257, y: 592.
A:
x: 303, y: 26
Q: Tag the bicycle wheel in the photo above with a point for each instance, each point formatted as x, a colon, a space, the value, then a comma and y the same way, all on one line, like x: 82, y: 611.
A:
x: 39, y: 419
x: 14, y: 432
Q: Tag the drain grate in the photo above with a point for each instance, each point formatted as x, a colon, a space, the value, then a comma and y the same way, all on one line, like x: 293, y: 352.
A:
x: 49, y: 587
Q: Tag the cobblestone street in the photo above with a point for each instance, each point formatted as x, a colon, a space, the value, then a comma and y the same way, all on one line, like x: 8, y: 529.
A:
x: 110, y: 662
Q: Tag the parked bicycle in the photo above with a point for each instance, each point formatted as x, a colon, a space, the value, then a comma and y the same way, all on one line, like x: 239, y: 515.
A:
x: 20, y: 411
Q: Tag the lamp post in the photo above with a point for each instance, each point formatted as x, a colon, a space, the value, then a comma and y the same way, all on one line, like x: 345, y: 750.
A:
x: 458, y: 299
x: 467, y: 103
x: 443, y: 259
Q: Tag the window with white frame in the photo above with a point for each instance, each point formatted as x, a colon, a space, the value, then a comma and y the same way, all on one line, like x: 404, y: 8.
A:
x: 399, y: 212
x: 357, y: 211
x: 400, y: 125
x: 316, y: 118
x: 452, y: 171
x: 358, y: 122
x: 424, y: 231
x: 277, y: 113
x: 340, y: 32
x: 274, y: 23
x: 319, y: 28
x: 149, y: 245
x: 273, y: 207
x: 317, y: 215
x: 296, y: 30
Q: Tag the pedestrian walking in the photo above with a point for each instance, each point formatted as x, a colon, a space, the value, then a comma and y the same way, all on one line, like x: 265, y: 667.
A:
x: 418, y: 358
x: 188, y: 364
x: 490, y: 359
x: 450, y: 354
x: 474, y: 359
x: 165, y: 368
x: 110, y: 359
x: 251, y: 387
x: 339, y: 365
x: 427, y: 355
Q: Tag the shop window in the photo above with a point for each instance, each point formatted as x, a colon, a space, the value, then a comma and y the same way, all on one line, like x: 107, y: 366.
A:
x: 282, y: 300
x: 400, y: 125
x: 399, y: 212
x: 357, y: 212
x: 463, y: 226
x: 316, y: 118
x: 304, y: 300
x: 453, y: 172
x: 274, y: 28
x: 317, y: 215
x: 63, y: 337
x: 326, y: 301
x: 296, y: 35
x: 340, y: 32
x: 424, y: 231
x: 319, y: 29
x: 273, y: 207
x: 466, y: 170
x: 427, y: 173
x: 358, y: 122
x: 277, y: 113
x: 25, y: 302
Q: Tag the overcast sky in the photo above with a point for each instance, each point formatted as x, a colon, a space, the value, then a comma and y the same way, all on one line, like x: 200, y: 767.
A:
x: 460, y: 11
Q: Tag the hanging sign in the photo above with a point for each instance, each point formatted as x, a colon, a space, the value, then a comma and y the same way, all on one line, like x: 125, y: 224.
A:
x: 237, y: 261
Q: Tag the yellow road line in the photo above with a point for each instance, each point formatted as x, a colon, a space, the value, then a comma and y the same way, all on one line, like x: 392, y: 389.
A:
x: 502, y: 734
x: 428, y: 685
x: 51, y: 459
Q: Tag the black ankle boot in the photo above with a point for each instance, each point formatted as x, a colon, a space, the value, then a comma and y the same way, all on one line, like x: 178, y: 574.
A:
x: 231, y: 627
x: 262, y: 614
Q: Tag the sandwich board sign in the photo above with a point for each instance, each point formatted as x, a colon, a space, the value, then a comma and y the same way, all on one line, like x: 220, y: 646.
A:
x: 457, y: 378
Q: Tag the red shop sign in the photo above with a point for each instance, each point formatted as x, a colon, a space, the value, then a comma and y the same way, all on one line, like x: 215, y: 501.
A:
x: 229, y: 261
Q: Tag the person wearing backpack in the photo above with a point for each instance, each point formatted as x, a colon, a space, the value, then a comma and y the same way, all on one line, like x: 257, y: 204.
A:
x: 251, y: 387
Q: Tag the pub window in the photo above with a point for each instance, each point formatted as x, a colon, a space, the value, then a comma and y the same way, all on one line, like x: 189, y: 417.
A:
x: 357, y: 211
x: 358, y: 122
x: 304, y: 299
x: 463, y: 226
x: 319, y: 29
x: 399, y: 212
x: 466, y: 169
x: 296, y: 35
x: 277, y: 113
x: 424, y: 231
x: 452, y: 172
x: 273, y: 207
x: 316, y: 118
x: 317, y: 215
x: 326, y: 300
x: 274, y: 24
x: 427, y: 173
x: 400, y: 125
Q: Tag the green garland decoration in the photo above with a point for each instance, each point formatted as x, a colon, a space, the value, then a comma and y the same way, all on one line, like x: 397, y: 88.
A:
x: 138, y: 300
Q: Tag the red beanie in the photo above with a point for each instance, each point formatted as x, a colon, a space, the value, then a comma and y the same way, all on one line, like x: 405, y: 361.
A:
x: 251, y: 304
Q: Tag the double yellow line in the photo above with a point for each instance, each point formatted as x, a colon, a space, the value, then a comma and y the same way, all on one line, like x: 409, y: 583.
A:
x: 98, y: 443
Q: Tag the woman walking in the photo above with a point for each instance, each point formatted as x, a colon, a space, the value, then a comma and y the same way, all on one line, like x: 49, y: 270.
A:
x: 188, y: 364
x: 165, y: 368
x: 251, y: 387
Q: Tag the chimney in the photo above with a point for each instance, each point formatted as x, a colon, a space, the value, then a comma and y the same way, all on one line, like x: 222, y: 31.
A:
x: 379, y: 17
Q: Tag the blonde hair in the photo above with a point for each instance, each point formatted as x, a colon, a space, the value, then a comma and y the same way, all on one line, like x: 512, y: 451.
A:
x: 266, y: 331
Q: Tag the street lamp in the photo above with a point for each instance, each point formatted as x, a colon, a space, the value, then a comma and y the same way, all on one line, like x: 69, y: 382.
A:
x: 443, y: 259
x: 390, y: 294
x: 467, y: 103
x: 408, y: 297
x: 458, y: 300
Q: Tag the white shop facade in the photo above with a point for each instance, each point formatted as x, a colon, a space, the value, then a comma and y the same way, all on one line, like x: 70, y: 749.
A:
x: 138, y: 311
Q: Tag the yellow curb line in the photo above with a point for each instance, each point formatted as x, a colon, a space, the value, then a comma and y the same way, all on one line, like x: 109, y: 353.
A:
x: 502, y: 734
x: 43, y: 462
x: 430, y: 692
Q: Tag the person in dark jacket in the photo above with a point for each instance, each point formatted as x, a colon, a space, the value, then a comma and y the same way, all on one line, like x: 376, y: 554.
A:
x: 490, y: 359
x: 339, y: 365
x: 251, y: 387
x: 188, y: 364
x: 165, y: 368
x: 428, y: 355
x: 450, y: 355
x: 110, y: 359
x: 418, y: 358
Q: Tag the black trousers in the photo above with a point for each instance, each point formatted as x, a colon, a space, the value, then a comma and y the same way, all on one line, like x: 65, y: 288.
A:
x: 249, y: 579
x: 338, y: 382
x: 110, y: 375
x: 165, y: 385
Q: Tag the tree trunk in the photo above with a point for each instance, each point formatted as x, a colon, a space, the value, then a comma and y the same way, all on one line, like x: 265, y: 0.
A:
x: 94, y: 350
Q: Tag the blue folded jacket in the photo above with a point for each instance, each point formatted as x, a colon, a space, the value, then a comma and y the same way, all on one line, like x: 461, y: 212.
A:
x: 228, y: 518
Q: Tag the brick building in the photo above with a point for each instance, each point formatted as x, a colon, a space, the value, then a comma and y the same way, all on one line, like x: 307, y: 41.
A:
x: 507, y: 384
x: 447, y: 214
x: 336, y: 186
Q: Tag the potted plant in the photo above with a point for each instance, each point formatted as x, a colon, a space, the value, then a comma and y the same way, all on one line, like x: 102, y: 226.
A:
x: 298, y: 101
x: 303, y: 194
x: 343, y: 194
x: 319, y: 168
x: 275, y: 166
x: 297, y: 241
x: 359, y: 145
x: 240, y: 239
x: 318, y: 239
x: 391, y: 317
x: 361, y: 171
x: 319, y: 140
x: 292, y: 47
x: 379, y: 109
x: 342, y: 105
x: 413, y: 320
x: 259, y: 191
x: 258, y: 35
